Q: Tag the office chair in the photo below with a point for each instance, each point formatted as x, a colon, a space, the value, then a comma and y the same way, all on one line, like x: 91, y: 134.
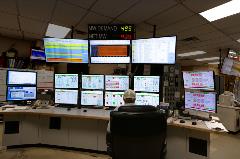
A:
x: 138, y: 132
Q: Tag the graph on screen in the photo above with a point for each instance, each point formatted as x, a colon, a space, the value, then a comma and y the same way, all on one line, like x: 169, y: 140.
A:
x: 92, y: 81
x: 114, y: 99
x: 66, y: 80
x: 20, y: 93
x: 22, y: 78
x: 116, y: 82
x: 147, y: 99
x: 63, y: 96
x: 146, y: 83
x: 92, y: 98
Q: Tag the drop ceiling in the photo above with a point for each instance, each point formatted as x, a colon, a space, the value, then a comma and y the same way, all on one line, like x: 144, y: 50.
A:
x: 28, y: 20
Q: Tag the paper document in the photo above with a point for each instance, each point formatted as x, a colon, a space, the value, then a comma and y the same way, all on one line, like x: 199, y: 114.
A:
x: 215, y: 125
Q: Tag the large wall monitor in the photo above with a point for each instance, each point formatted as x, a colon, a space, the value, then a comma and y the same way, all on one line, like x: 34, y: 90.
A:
x: 63, y: 96
x: 20, y: 93
x: 147, y: 99
x: 199, y: 80
x: 66, y: 80
x: 92, y: 98
x: 22, y: 78
x: 155, y: 50
x: 231, y: 67
x: 201, y: 101
x: 114, y: 99
x: 66, y: 50
x: 120, y: 83
x: 93, y: 82
x: 110, y: 51
x: 147, y: 83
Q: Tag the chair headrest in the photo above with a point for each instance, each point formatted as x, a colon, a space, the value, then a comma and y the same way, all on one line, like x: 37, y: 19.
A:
x: 133, y: 108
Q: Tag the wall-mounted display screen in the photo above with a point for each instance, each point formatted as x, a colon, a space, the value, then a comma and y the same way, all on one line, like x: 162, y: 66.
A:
x: 63, y: 96
x: 22, y: 78
x: 201, y: 101
x: 66, y: 80
x: 92, y: 81
x: 198, y: 80
x: 20, y: 93
x: 114, y: 99
x: 37, y: 55
x: 147, y: 99
x: 154, y: 50
x: 231, y: 67
x: 66, y: 50
x: 92, y: 98
x: 146, y: 83
x: 120, y: 83
x: 110, y: 51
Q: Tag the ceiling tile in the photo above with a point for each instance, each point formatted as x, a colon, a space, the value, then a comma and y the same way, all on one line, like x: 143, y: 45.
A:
x: 170, y: 16
x: 9, y: 21
x: 67, y: 14
x: 8, y: 6
x: 82, y: 3
x: 143, y: 11
x: 112, y: 8
x: 37, y: 9
x: 10, y: 33
x: 32, y: 26
x: 31, y: 36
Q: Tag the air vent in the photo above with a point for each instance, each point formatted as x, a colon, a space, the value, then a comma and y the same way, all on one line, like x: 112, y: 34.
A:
x: 190, y: 39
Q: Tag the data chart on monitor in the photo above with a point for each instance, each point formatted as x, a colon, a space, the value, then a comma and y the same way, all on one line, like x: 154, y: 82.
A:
x: 22, y: 78
x: 66, y: 80
x: 92, y: 98
x: 146, y: 83
x: 114, y: 99
x: 92, y: 81
x: 63, y: 96
x: 116, y: 82
x: 147, y: 99
x: 21, y: 93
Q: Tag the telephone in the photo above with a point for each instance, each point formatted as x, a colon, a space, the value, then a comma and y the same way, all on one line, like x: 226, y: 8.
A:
x: 228, y: 98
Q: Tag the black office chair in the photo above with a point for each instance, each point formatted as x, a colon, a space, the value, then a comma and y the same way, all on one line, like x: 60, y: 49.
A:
x: 138, y: 132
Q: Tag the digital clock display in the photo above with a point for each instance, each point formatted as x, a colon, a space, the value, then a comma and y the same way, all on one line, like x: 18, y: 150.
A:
x: 111, y: 32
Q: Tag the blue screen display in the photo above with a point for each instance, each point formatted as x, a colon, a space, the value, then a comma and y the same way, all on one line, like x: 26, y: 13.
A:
x: 38, y: 55
x: 21, y: 93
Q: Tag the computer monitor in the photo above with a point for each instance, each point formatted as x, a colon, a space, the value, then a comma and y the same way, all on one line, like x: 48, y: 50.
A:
x: 66, y: 80
x: 38, y: 55
x: 92, y: 98
x: 21, y: 93
x: 93, y: 82
x: 114, y: 99
x: 118, y: 83
x: 21, y: 78
x: 154, y: 50
x: 147, y: 99
x: 66, y: 96
x: 198, y: 80
x: 201, y: 101
x: 147, y: 83
x: 66, y: 50
x: 110, y: 51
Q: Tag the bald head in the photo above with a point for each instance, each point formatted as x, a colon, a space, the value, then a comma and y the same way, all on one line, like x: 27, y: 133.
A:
x: 129, y: 96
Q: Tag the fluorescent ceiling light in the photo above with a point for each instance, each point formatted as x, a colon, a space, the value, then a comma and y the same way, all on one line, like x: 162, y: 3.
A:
x: 57, y: 31
x: 208, y: 59
x: 238, y: 40
x: 191, y: 53
x: 222, y: 11
x: 214, y: 63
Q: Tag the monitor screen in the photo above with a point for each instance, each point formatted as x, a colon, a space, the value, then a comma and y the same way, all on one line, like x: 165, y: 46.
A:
x: 199, y: 80
x: 66, y: 50
x: 38, y: 55
x: 110, y: 51
x: 120, y: 83
x: 64, y: 96
x: 114, y: 99
x: 66, y: 80
x: 92, y: 98
x: 231, y: 67
x: 147, y: 99
x: 147, y: 83
x: 201, y: 101
x: 21, y: 93
x: 92, y: 81
x: 22, y: 78
x: 154, y: 50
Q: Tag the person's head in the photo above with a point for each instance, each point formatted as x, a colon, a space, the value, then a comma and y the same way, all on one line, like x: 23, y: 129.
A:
x: 129, y: 96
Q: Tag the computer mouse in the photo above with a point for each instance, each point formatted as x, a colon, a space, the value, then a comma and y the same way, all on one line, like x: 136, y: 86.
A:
x: 84, y: 110
x: 194, y: 123
x: 182, y: 121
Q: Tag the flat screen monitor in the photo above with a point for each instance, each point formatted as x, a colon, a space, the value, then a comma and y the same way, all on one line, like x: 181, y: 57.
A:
x: 64, y: 96
x: 118, y: 83
x: 66, y: 80
x: 92, y: 98
x: 37, y: 55
x: 110, y: 51
x: 147, y: 99
x: 201, y: 101
x: 21, y: 93
x: 93, y: 82
x: 22, y: 78
x: 198, y: 80
x: 114, y: 99
x: 231, y: 67
x: 147, y: 83
x: 154, y: 50
x: 66, y: 50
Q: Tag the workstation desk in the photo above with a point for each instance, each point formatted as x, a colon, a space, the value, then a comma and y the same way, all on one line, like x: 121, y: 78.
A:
x: 86, y: 128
